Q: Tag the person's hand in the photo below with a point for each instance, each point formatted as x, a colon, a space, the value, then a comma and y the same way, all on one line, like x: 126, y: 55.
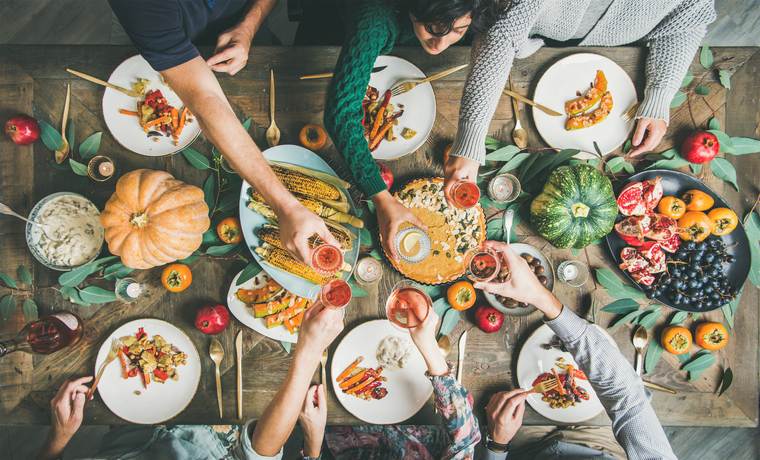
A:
x: 313, y: 420
x: 425, y: 332
x: 505, y: 414
x: 232, y: 47
x: 522, y: 285
x: 423, y: 337
x: 297, y: 225
x: 320, y: 327
x: 67, y: 409
x: 648, y: 134
x: 457, y: 169
x: 391, y: 214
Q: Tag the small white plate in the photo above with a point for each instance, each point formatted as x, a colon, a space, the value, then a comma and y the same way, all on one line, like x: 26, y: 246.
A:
x: 419, y: 106
x: 408, y: 388
x: 561, y: 82
x: 527, y: 371
x: 523, y: 248
x: 160, y: 401
x: 244, y: 314
x: 126, y: 129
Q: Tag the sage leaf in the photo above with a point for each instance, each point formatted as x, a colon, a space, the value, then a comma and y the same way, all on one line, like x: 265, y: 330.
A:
x: 678, y: 100
x: 723, y: 169
x: 699, y: 362
x: 679, y: 317
x: 504, y: 153
x: 654, y: 352
x: 687, y: 79
x: 71, y: 137
x: 95, y: 294
x: 250, y: 270
x: 72, y: 295
x: 449, y: 321
x: 286, y: 346
x: 744, y: 145
x: 650, y: 319
x: 725, y: 381
x: 90, y: 146
x: 7, y: 305
x: 24, y: 275
x: 8, y: 281
x: 702, y: 90
x: 713, y: 123
x: 50, y: 136
x: 78, y: 275
x: 706, y: 57
x: 621, y: 306
x: 196, y: 159
x: 515, y: 162
x: 221, y: 250
x: 78, y: 168
x: 724, y: 76
x: 695, y: 168
x: 30, y: 309
x: 209, y: 193
x: 356, y: 290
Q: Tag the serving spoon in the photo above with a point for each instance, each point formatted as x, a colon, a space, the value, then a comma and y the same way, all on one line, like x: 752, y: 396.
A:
x: 640, y: 339
x: 519, y: 135
x: 217, y: 355
x: 273, y: 132
x: 63, y: 151
x: 5, y: 209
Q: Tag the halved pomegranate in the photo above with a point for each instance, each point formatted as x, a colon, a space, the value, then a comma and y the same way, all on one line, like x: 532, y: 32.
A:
x: 652, y: 192
x: 632, y: 261
x: 652, y: 251
x: 632, y: 229
x: 630, y: 201
x: 661, y: 227
x: 671, y: 244
x: 643, y: 277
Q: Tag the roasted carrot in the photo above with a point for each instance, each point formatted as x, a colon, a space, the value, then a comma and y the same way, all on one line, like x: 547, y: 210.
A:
x: 182, y: 121
x: 351, y: 381
x: 129, y: 112
x: 157, y: 122
x: 376, y: 140
x: 560, y: 387
x: 380, y: 116
x: 347, y: 371
x: 175, y: 118
x: 124, y: 367
x: 145, y: 379
x: 369, y: 388
x: 359, y: 387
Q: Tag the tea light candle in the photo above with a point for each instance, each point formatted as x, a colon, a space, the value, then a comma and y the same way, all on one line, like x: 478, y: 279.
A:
x: 106, y: 168
x: 369, y: 270
x: 569, y: 272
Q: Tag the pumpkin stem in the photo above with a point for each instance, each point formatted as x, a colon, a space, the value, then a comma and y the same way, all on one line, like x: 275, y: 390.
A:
x: 580, y: 210
x: 139, y: 219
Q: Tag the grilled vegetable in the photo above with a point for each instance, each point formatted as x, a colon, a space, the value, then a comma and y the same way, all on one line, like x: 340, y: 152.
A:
x: 271, y: 234
x: 347, y: 371
x: 282, y: 259
x: 308, y: 186
x: 268, y: 291
x: 298, y: 307
x: 317, y: 207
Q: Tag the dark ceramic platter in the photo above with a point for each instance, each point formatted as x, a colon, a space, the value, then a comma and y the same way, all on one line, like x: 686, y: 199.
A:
x: 737, y: 244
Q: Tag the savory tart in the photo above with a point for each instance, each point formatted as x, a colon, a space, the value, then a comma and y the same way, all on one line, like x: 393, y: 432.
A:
x: 452, y: 232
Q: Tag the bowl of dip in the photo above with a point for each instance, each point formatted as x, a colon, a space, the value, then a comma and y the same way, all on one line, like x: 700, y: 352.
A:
x: 73, y: 235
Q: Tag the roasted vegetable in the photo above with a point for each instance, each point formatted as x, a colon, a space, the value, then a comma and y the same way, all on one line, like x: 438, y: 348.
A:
x: 317, y: 207
x: 271, y: 234
x: 282, y: 259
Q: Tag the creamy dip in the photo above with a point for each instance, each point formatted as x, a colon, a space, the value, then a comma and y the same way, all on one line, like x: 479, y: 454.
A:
x: 393, y: 352
x: 73, y: 234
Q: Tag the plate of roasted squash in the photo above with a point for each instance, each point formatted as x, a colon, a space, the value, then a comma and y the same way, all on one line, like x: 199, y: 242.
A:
x: 592, y: 92
x: 315, y: 184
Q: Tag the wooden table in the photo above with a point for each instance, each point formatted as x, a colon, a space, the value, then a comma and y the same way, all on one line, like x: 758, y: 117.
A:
x: 33, y: 80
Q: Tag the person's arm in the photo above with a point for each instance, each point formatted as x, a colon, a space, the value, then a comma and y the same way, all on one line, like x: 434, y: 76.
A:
x: 233, y: 45
x: 196, y: 85
x: 67, y: 409
x: 672, y: 45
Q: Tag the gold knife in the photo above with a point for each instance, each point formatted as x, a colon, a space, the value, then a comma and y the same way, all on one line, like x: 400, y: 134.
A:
x: 525, y: 100
x: 460, y: 358
x: 239, y: 358
x: 658, y: 387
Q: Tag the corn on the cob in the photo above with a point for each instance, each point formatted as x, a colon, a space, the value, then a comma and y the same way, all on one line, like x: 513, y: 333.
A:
x: 306, y: 185
x: 282, y: 259
x: 320, y: 175
x: 317, y: 207
x: 271, y: 234
x: 261, y: 208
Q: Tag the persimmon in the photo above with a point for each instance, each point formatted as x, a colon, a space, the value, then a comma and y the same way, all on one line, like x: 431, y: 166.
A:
x: 694, y: 226
x: 229, y: 230
x: 697, y: 200
x: 176, y: 277
x: 461, y: 295
x: 313, y: 137
x: 676, y: 340
x: 711, y: 335
x: 672, y: 206
x: 724, y: 221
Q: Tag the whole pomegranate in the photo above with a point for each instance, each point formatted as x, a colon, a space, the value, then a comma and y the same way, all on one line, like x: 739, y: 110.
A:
x: 700, y: 147
x: 212, y: 319
x: 488, y: 319
x: 22, y: 129
x: 386, y: 174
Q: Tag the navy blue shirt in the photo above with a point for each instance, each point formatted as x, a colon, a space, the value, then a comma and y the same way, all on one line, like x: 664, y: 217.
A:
x: 164, y: 31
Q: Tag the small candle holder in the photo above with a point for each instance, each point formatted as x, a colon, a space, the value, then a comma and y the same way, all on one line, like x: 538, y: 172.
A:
x: 368, y: 271
x: 128, y: 289
x: 100, y: 168
x: 504, y: 188
x: 574, y: 273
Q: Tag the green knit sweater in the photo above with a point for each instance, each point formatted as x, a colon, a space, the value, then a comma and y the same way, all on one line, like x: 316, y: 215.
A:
x: 372, y: 29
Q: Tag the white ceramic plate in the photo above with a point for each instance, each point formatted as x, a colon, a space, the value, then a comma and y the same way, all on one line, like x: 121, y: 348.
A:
x: 528, y: 369
x: 561, y: 82
x: 250, y: 221
x: 523, y: 248
x: 161, y: 401
x: 408, y: 388
x: 419, y: 106
x: 125, y: 129
x: 244, y: 314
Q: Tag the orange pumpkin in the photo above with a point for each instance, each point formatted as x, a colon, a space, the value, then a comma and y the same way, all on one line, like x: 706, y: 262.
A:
x: 153, y: 219
x: 676, y: 340
x: 313, y: 137
x: 711, y: 336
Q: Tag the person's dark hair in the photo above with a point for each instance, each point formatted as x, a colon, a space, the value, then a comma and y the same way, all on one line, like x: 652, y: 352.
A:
x: 439, y: 15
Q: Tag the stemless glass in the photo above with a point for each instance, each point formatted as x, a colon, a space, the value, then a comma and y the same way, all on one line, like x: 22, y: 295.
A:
x: 482, y: 265
x: 326, y: 259
x: 408, y: 305
x: 465, y: 194
x: 504, y: 188
x: 335, y: 294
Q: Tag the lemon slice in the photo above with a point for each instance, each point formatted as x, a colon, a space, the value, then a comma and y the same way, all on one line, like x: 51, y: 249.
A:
x: 411, y: 244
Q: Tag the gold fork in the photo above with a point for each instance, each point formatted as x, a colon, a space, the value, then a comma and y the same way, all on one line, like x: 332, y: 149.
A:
x: 323, y: 361
x: 546, y: 385
x: 112, y: 354
x: 630, y: 113
x: 406, y: 86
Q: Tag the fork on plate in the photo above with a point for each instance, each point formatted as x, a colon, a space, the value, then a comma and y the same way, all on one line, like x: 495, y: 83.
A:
x: 406, y: 86
x: 549, y: 384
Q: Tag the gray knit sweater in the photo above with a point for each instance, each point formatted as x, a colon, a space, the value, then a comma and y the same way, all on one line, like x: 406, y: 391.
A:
x: 672, y: 29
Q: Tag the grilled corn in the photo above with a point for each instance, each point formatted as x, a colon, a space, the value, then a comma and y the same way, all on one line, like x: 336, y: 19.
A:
x: 282, y: 259
x: 306, y: 185
x: 271, y: 234
x: 315, y: 206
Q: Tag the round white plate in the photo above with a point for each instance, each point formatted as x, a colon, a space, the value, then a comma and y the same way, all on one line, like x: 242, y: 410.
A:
x: 160, y: 401
x: 528, y: 360
x: 126, y: 129
x: 523, y: 248
x: 561, y: 82
x: 250, y: 220
x: 244, y: 314
x: 408, y: 388
x: 419, y: 106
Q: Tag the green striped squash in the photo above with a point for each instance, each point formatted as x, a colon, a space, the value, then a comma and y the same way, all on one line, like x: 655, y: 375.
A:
x: 576, y: 207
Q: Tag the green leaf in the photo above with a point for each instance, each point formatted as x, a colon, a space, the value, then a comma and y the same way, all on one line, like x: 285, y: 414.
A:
x: 228, y: 202
x: 675, y: 163
x: 71, y: 137
x: 95, y: 294
x: 503, y: 154
x: 621, y: 306
x: 627, y: 146
x: 493, y: 143
x: 515, y: 162
x: 495, y: 229
x: 678, y: 99
x: 695, y: 168
x: 30, y: 309
x: 375, y: 253
x: 72, y: 295
x: 650, y: 319
x: 117, y: 270
x: 50, y: 136
x: 365, y: 238
x: 221, y: 250
x: 626, y: 318
x: 670, y: 153
x: 699, y: 362
x: 90, y: 146
x: 615, y: 165
x: 488, y: 203
x: 679, y: 317
x: 7, y: 305
x: 24, y: 275
x: 714, y: 123
x: 752, y: 227
x: 356, y: 290
x: 725, y: 381
x: 247, y: 123
x: 8, y: 281
x: 78, y: 168
x: 726, y: 145
x: 729, y: 309
x: 654, y: 352
x: 723, y: 169
x: 724, y: 76
x: 78, y: 275
x: 449, y: 321
x: 687, y: 79
x: 702, y: 90
x: 615, y: 286
x: 286, y: 346
x: 683, y: 358
x: 196, y: 159
x: 628, y: 167
x: 440, y: 306
x: 371, y: 206
x: 744, y: 145
x: 209, y: 192
x: 434, y: 291
x: 706, y: 57
x: 190, y: 259
x: 210, y: 237
x: 250, y: 270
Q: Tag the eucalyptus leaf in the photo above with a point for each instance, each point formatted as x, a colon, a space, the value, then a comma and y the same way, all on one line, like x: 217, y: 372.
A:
x: 653, y: 354
x: 714, y: 123
x: 8, y: 281
x: 97, y: 295
x: 228, y: 202
x: 72, y: 295
x: 678, y: 99
x: 729, y: 310
x: 449, y: 321
x: 674, y: 163
x: 615, y: 165
x: 626, y: 318
x: 495, y: 229
x: 250, y: 270
x: 78, y: 275
x: 706, y: 57
x: 695, y: 168
x: 702, y: 90
x: 371, y: 206
x: 627, y: 146
x: 679, y: 317
x: 221, y: 250
x: 615, y: 286
x: 31, y: 312
x: 493, y: 143
x: 71, y: 137
x: 440, y: 306
x: 503, y: 154
x: 286, y: 346
x: 650, y: 319
x: 726, y: 145
x: 724, y: 76
x: 752, y: 227
x: 628, y: 167
x: 209, y: 192
x: 196, y: 159
x: 117, y: 270
x: 78, y: 168
x: 728, y: 315
x: 210, y: 237
x: 670, y: 153
x: 699, y: 362
x: 725, y: 381
x: 375, y: 254
x: 488, y: 203
x: 621, y: 306
x: 744, y: 145
x: 694, y: 375
x: 356, y: 290
x: 190, y: 259
x: 50, y: 136
x: 515, y: 162
x: 365, y: 238
x: 687, y: 79
x: 723, y: 169
x: 683, y: 358
x: 7, y: 305
x: 90, y: 146
x: 24, y: 275
x: 247, y: 123
x: 434, y: 291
